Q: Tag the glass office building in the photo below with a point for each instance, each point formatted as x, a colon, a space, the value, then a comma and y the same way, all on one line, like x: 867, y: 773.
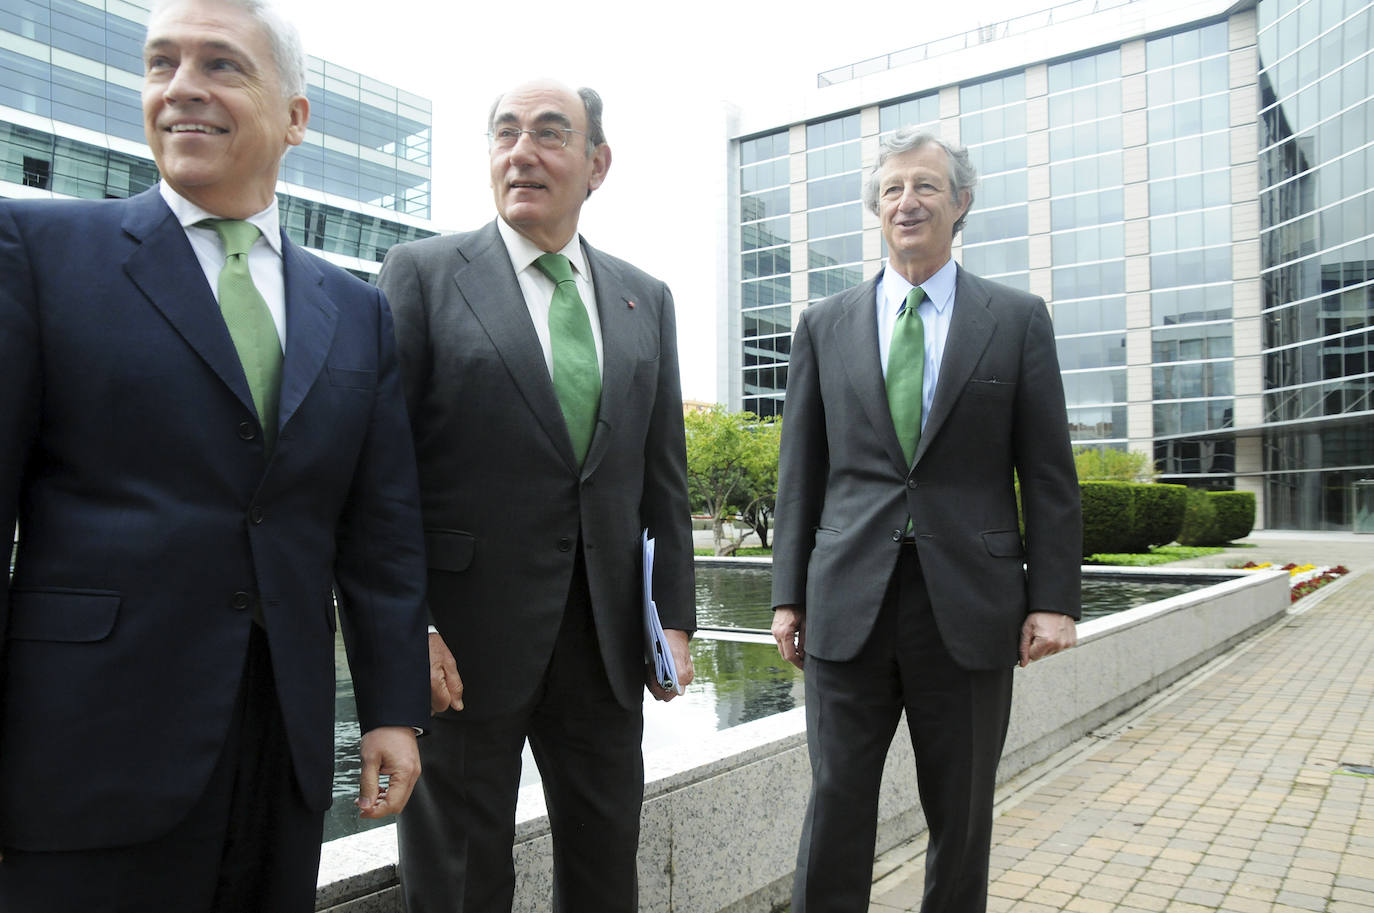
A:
x: 71, y: 125
x: 1187, y: 186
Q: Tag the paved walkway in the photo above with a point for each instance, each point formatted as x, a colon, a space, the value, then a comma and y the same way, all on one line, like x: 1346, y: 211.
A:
x: 1226, y: 792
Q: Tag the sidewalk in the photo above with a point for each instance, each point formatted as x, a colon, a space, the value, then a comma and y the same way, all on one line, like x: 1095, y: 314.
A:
x: 1226, y: 792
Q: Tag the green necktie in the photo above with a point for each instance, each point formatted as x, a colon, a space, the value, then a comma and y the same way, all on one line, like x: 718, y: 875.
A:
x: 576, y: 377
x: 250, y: 322
x: 906, y: 362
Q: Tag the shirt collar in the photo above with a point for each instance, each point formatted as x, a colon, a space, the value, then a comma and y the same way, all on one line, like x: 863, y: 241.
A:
x: 189, y: 214
x: 523, y: 252
x: 939, y: 288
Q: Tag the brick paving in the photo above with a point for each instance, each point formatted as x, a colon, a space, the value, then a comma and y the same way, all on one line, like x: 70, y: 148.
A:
x: 1227, y: 792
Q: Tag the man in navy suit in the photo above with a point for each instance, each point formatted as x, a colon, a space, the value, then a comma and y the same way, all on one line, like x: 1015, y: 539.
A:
x: 188, y: 504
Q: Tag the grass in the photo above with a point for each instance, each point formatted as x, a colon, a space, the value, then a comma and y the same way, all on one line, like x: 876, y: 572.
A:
x: 752, y: 551
x: 1164, y: 554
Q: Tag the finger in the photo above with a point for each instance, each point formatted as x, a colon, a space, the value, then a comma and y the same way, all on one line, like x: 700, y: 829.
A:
x: 398, y: 789
x: 1024, y: 649
x: 368, y: 787
x: 438, y: 694
x: 454, y: 683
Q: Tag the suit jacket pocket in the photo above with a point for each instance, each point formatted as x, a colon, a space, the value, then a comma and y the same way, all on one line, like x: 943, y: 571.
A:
x: 449, y: 549
x: 350, y: 377
x: 1003, y: 543
x: 68, y: 615
x: 996, y: 388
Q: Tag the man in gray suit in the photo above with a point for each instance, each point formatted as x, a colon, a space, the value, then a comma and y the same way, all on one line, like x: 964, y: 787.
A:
x: 542, y: 381
x: 901, y: 581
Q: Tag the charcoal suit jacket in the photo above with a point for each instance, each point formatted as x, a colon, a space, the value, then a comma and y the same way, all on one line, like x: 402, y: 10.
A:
x: 845, y: 489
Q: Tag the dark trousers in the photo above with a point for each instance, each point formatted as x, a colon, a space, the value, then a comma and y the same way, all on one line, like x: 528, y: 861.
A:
x: 248, y: 844
x: 958, y: 723
x: 456, y: 834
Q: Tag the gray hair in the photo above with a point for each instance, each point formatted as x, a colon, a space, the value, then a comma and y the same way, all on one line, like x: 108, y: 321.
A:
x: 591, y: 104
x: 962, y: 175
x: 287, y: 52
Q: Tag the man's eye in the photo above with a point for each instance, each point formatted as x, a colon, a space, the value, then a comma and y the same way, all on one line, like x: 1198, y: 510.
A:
x: 223, y: 64
x: 550, y: 135
x: 507, y: 134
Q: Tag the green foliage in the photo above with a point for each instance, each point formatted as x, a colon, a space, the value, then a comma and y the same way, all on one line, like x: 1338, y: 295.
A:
x: 1157, y: 515
x: 1199, y: 520
x: 1162, y: 555
x: 1235, y: 513
x: 1105, y: 464
x: 732, y: 467
x: 1107, y: 513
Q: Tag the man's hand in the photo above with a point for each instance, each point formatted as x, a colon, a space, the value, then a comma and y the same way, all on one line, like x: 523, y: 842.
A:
x: 789, y: 630
x: 1044, y: 634
x: 390, y: 751
x: 445, y: 685
x: 682, y: 661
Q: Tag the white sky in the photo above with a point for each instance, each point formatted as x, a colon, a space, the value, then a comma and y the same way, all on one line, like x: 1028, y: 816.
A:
x: 668, y: 75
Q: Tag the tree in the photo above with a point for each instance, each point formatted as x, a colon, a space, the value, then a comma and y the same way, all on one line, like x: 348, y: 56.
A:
x: 1107, y: 464
x: 732, y: 466
x: 761, y: 481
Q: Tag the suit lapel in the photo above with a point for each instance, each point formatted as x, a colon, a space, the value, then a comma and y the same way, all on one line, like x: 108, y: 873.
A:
x: 310, y: 321
x: 857, y: 325
x: 486, y: 280
x: 970, y: 329
x: 618, y: 319
x: 165, y: 268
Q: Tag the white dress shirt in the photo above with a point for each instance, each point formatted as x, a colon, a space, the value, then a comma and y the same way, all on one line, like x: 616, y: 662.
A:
x: 264, y: 258
x: 936, y: 311
x: 538, y: 288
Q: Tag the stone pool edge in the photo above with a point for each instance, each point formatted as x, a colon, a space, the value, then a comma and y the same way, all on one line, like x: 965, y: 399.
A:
x: 722, y: 815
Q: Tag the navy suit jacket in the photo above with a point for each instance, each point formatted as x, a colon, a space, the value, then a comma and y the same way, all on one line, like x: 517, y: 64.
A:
x: 152, y: 521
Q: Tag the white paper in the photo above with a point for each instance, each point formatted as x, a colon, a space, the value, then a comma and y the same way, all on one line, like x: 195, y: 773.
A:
x: 656, y: 648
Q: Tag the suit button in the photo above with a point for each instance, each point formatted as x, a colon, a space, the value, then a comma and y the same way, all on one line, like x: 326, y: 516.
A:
x: 255, y: 515
x: 247, y: 431
x: 241, y: 601
x: 910, y: 483
x: 565, y: 544
x: 896, y: 535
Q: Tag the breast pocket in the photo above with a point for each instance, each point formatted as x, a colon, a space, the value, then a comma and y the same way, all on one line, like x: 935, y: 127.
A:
x: 352, y: 378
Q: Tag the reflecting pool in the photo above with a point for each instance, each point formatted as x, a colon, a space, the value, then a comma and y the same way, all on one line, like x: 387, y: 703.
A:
x: 739, y: 675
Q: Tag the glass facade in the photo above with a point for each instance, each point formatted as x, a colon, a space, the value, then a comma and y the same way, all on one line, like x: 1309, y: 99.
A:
x: 78, y: 63
x: 1316, y: 165
x: 1212, y: 295
x: 765, y: 270
x: 1087, y: 243
x: 1190, y: 251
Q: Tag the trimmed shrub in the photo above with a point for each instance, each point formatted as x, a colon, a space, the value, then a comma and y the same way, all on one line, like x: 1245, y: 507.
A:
x: 1158, y: 514
x: 1199, y: 520
x: 1235, y: 514
x: 1107, y: 510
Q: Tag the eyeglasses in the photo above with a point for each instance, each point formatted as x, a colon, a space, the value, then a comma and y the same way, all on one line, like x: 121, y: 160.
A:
x: 549, y: 138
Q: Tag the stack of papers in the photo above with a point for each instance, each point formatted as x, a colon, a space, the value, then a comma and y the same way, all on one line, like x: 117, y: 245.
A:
x: 656, y: 647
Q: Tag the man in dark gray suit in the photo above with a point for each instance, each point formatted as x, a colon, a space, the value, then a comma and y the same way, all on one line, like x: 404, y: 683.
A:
x: 901, y: 580
x: 542, y: 381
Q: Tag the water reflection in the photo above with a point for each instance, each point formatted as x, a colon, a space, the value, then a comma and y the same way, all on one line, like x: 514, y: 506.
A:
x: 736, y: 682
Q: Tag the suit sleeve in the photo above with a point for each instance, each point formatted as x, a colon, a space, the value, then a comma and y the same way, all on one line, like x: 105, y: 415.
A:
x: 802, y: 468
x: 20, y: 382
x: 1049, y: 482
x: 400, y: 282
x: 664, y: 509
x: 380, y: 567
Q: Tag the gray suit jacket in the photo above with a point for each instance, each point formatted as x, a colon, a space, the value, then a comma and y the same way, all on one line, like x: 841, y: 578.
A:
x: 504, y: 500
x: 845, y: 491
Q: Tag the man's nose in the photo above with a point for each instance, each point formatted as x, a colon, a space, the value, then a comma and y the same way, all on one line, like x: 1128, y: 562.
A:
x: 185, y: 85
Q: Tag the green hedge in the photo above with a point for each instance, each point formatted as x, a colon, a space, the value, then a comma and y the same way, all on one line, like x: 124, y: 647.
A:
x: 1158, y: 515
x: 1108, y: 509
x: 1235, y: 514
x: 1199, y: 520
